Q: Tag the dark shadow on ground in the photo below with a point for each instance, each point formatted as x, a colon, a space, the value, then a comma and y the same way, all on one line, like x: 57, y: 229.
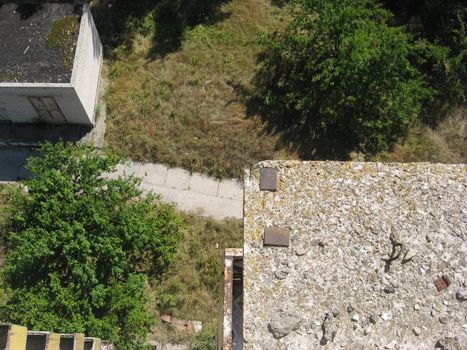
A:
x: 33, y: 134
x: 27, y: 10
x: 119, y: 21
x: 309, y: 142
x: 12, y: 163
x: 18, y: 142
x: 171, y: 23
x: 280, y: 3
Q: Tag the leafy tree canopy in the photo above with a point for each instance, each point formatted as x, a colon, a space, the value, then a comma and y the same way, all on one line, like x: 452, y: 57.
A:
x: 82, y: 247
x: 440, y: 47
x: 342, y: 72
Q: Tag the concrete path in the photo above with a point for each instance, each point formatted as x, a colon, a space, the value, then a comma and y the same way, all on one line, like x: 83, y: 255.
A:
x: 195, y: 192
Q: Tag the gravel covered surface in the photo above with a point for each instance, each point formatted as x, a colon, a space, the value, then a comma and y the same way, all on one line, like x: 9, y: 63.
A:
x: 367, y: 243
x: 25, y: 56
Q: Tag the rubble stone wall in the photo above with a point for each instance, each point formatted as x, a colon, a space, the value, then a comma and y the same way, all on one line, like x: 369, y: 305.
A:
x: 368, y: 241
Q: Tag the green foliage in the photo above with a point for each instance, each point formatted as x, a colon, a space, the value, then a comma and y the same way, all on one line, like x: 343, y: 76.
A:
x: 82, y: 247
x: 445, y: 65
x: 205, y: 340
x: 341, y: 73
x: 142, y: 25
x: 439, y: 49
x: 5, y: 195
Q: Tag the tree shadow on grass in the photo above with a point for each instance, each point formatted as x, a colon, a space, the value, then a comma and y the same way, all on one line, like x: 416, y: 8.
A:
x: 308, y: 141
x: 172, y: 20
x: 120, y: 21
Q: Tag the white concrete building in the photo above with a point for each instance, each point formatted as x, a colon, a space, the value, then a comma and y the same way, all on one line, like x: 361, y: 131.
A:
x: 28, y: 93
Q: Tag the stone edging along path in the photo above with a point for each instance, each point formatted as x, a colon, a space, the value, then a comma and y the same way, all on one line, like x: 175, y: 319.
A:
x: 194, y: 192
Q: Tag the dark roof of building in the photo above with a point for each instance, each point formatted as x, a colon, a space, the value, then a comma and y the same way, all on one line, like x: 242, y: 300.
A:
x: 25, y: 54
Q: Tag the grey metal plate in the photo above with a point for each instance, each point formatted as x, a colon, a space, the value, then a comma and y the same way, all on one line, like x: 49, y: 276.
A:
x: 268, y: 179
x: 277, y: 237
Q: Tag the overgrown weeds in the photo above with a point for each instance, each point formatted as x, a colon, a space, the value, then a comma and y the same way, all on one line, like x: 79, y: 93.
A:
x: 188, y: 108
x: 191, y: 288
x: 446, y: 143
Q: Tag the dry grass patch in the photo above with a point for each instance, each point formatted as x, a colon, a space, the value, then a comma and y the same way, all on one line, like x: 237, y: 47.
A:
x: 447, y: 143
x: 188, y: 108
x: 191, y: 288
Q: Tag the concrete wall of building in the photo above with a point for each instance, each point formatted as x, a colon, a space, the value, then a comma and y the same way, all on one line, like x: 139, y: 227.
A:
x: 16, y: 105
x: 14, y: 337
x: 87, y: 64
x: 75, y: 101
x: 92, y: 343
x: 42, y: 341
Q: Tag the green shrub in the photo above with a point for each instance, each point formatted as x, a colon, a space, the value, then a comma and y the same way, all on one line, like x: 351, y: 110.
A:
x: 445, y: 63
x: 341, y: 72
x: 83, y: 246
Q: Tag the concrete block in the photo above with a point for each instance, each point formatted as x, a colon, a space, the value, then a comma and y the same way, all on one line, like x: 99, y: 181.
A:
x: 72, y: 341
x: 12, y: 337
x: 277, y: 237
x: 92, y: 343
x: 42, y: 341
x: 178, y: 178
x: 53, y: 341
x: 203, y: 184
x: 154, y: 174
x: 232, y: 189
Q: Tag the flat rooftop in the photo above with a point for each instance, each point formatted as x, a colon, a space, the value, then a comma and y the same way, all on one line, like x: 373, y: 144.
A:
x: 363, y: 256
x: 33, y: 48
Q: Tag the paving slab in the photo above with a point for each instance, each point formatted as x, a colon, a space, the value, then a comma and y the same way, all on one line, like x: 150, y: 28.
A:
x: 204, y: 184
x: 232, y: 189
x: 178, y: 178
x: 153, y: 174
x: 201, y: 204
x: 122, y: 170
